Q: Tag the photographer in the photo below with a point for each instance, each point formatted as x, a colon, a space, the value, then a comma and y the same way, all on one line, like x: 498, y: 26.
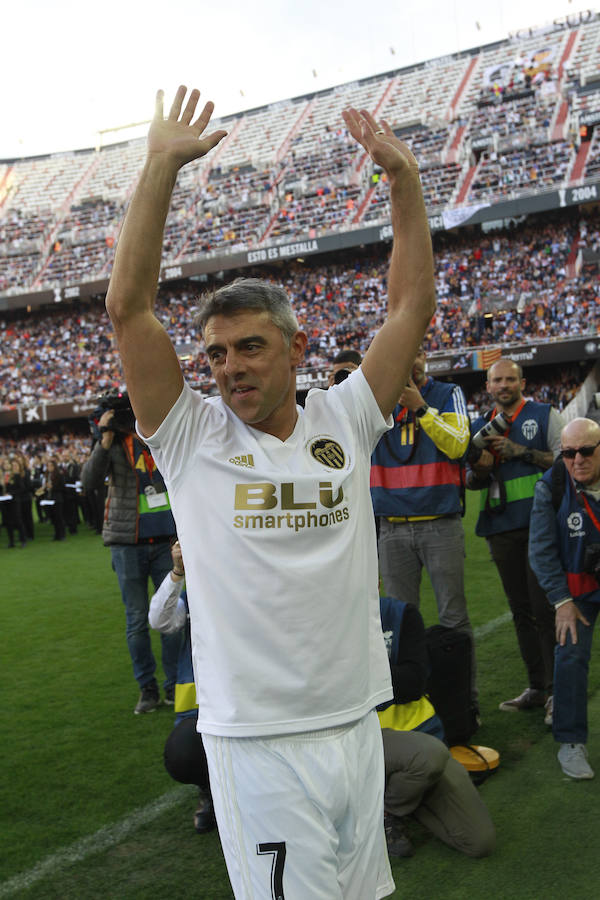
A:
x: 505, y: 470
x: 564, y: 551
x: 138, y: 525
x: 345, y: 362
x: 417, y: 494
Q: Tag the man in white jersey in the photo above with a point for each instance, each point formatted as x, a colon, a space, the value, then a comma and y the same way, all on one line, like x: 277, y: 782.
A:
x: 274, y: 518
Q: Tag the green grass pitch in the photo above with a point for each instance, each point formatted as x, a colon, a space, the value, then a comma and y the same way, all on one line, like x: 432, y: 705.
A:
x: 88, y: 811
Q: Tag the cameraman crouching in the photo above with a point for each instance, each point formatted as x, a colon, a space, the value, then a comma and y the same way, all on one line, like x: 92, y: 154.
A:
x: 138, y: 525
x: 564, y: 552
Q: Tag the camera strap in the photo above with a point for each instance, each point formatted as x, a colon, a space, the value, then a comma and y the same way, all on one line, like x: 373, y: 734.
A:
x: 590, y: 513
x: 403, y: 420
x: 510, y: 420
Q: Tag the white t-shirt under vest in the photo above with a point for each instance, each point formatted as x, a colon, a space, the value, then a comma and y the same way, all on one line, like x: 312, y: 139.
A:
x: 280, y: 560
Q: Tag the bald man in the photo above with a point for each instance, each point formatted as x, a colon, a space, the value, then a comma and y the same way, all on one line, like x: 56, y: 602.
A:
x: 564, y: 550
x: 506, y: 472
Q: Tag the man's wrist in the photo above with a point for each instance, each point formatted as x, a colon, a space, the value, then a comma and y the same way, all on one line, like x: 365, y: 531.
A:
x: 178, y: 574
x: 562, y: 602
x: 420, y: 412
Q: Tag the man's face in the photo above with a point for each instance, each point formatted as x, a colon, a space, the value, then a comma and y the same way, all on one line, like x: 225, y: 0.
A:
x: 585, y: 469
x: 418, y: 369
x: 504, y: 384
x: 338, y: 367
x: 253, y: 367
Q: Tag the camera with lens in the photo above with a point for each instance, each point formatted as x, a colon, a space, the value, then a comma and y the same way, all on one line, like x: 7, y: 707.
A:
x: 494, y: 428
x: 341, y: 375
x: 123, y: 420
x: 591, y: 560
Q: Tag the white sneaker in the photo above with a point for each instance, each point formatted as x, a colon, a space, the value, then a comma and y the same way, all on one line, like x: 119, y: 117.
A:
x: 548, y: 710
x: 573, y: 761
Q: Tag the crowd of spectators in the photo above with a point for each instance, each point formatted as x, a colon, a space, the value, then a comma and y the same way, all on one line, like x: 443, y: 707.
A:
x: 503, y: 287
x: 44, y: 471
x: 316, y: 183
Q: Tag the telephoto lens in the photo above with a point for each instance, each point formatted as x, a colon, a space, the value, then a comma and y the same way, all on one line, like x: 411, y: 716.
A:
x: 494, y: 428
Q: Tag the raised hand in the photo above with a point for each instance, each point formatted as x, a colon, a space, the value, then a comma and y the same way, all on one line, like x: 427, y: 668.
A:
x: 380, y: 142
x: 178, y: 136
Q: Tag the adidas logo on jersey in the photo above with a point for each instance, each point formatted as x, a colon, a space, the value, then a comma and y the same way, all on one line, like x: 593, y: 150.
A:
x: 247, y: 461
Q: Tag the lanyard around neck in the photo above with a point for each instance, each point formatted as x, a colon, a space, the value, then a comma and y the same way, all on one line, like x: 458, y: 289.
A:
x: 511, y: 419
x: 590, y: 513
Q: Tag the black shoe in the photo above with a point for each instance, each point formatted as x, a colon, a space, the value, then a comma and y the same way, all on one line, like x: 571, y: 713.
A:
x: 148, y: 700
x: 398, y: 842
x: 170, y: 695
x: 204, y: 817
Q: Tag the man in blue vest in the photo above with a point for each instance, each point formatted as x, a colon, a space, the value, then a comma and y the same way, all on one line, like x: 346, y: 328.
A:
x: 416, y: 489
x: 138, y: 526
x: 506, y: 472
x: 564, y: 550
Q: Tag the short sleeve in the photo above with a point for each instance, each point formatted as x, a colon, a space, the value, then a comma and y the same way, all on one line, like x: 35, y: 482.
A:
x: 358, y: 402
x: 184, y: 429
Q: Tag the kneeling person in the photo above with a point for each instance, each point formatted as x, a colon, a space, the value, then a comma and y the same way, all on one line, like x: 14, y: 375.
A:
x: 185, y: 759
x: 422, y: 778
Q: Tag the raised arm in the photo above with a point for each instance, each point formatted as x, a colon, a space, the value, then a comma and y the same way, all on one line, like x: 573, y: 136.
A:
x: 411, y: 287
x: 150, y: 364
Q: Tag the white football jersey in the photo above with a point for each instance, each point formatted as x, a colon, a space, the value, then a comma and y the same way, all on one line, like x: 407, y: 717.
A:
x: 280, y: 556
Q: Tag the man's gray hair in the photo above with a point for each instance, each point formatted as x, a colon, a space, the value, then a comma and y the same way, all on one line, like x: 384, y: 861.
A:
x: 250, y: 294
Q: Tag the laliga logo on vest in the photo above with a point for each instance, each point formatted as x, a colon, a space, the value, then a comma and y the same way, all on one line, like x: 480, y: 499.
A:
x: 575, y: 521
x: 529, y: 429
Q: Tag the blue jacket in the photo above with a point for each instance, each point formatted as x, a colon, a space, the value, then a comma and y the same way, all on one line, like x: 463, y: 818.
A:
x: 185, y: 688
x: 410, y: 475
x: 557, y: 542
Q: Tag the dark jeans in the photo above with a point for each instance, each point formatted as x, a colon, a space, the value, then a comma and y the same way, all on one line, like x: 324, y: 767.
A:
x: 533, y: 615
x: 134, y: 565
x: 571, y: 665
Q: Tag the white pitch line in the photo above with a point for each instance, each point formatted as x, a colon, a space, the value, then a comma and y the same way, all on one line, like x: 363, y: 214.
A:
x: 483, y: 630
x: 103, y: 839
x: 113, y: 834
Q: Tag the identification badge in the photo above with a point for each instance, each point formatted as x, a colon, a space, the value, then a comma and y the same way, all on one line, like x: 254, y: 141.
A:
x: 155, y: 500
x: 494, y: 491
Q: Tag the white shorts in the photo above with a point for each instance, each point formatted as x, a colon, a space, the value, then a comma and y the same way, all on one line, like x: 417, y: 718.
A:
x: 301, y: 816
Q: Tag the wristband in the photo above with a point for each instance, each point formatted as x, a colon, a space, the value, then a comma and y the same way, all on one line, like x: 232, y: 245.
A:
x: 179, y: 574
x: 420, y: 412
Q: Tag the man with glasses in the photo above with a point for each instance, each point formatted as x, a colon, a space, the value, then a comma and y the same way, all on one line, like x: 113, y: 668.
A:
x: 564, y: 549
x: 506, y: 472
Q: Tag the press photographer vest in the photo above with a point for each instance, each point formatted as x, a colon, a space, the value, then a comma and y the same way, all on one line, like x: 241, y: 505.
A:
x: 576, y: 531
x: 154, y: 516
x: 409, y: 475
x: 185, y: 689
x: 418, y: 715
x: 509, y: 507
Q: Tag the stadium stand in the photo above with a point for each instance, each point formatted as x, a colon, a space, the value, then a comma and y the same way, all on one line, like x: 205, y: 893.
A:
x: 506, y: 140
